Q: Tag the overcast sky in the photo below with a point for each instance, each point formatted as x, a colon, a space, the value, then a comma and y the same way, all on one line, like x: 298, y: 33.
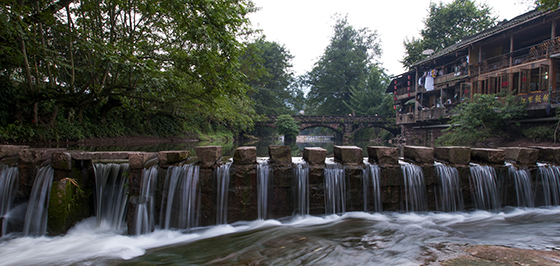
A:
x: 304, y: 27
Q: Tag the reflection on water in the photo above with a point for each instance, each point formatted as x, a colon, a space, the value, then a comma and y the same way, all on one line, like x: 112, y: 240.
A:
x: 358, y: 237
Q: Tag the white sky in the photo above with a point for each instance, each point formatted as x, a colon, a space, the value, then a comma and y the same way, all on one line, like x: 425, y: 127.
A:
x: 304, y: 27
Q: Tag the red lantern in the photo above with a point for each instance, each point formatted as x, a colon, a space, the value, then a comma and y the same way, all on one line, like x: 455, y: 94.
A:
x: 395, y: 99
x: 394, y: 107
x: 409, y: 95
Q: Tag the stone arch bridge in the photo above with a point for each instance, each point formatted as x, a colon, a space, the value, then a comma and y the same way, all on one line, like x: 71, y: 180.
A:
x: 344, y: 126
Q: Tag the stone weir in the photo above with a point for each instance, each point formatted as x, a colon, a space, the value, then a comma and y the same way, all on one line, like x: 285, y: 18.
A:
x: 72, y: 196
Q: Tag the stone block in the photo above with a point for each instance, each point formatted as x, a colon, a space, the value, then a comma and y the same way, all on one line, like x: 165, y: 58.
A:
x: 38, y: 155
x: 245, y: 155
x: 348, y: 154
x: 138, y: 160
x: 208, y: 155
x: 493, y: 156
x: 280, y: 154
x: 172, y: 157
x: 383, y: 155
x: 453, y: 155
x: 62, y: 161
x: 521, y: 155
x: 314, y: 155
x: 419, y: 154
x: 548, y: 154
x: 11, y: 150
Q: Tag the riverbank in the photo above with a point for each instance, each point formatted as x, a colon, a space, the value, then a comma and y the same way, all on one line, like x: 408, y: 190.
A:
x: 497, y: 255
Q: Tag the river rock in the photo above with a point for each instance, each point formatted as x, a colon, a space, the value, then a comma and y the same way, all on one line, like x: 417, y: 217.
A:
x: 314, y: 155
x: 383, y: 155
x: 167, y: 158
x: 245, y: 155
x: 493, y: 156
x: 348, y: 154
x: 548, y: 154
x: 62, y: 161
x: 521, y: 155
x: 280, y: 154
x: 453, y: 155
x: 208, y: 155
x: 419, y: 154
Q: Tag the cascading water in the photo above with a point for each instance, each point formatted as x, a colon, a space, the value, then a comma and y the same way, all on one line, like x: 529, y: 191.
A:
x: 263, y: 180
x: 145, y: 210
x: 8, y: 188
x: 111, y: 193
x: 181, y: 205
x: 222, y: 175
x: 523, y: 188
x: 449, y: 197
x: 335, y: 189
x: 37, y: 209
x: 484, y: 190
x: 372, y: 191
x: 415, y: 194
x: 549, y: 180
x: 302, y: 188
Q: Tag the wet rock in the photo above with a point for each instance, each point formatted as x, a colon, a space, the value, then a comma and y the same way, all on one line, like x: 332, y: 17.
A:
x: 484, y: 155
x: 521, y: 155
x: 548, y: 154
x: 245, y: 155
x: 348, y: 155
x: 453, y: 155
x: 383, y: 155
x: 62, y: 161
x: 419, y: 154
x: 167, y: 158
x: 314, y: 155
x: 280, y: 154
x: 11, y: 150
x: 138, y: 160
x: 208, y: 155
x: 36, y: 156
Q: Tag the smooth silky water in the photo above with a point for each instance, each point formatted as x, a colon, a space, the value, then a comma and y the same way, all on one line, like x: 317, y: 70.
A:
x: 357, y: 238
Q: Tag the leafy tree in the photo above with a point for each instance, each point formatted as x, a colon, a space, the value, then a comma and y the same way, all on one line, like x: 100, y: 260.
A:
x: 86, y: 61
x: 270, y: 77
x: 548, y: 4
x: 446, y: 25
x: 484, y: 117
x: 287, y: 126
x: 371, y: 99
x: 343, y: 66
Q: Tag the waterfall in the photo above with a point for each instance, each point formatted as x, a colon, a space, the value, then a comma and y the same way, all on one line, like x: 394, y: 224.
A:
x: 8, y: 188
x: 335, y: 189
x: 145, y: 209
x: 111, y: 193
x: 523, y: 190
x: 371, y: 184
x: 449, y: 197
x: 222, y: 177
x: 263, y: 179
x: 484, y: 190
x: 415, y: 188
x: 37, y: 209
x: 549, y: 179
x: 180, y: 207
x: 302, y: 188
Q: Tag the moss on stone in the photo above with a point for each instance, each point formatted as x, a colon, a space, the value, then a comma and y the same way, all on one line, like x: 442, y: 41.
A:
x: 67, y: 206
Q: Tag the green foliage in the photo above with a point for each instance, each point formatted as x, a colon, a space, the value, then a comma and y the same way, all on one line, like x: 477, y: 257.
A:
x: 548, y: 4
x: 540, y: 133
x: 371, y: 99
x: 287, y: 126
x: 484, y: 117
x: 115, y: 68
x: 446, y: 25
x: 343, y: 67
x: 270, y: 77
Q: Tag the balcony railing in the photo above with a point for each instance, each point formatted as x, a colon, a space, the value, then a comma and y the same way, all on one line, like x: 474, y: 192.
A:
x: 521, y: 56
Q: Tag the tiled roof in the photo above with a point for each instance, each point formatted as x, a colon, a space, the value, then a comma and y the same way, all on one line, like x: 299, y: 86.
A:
x: 502, y: 26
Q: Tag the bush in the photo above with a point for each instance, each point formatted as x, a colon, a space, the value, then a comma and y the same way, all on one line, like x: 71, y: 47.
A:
x: 287, y: 126
x: 540, y: 133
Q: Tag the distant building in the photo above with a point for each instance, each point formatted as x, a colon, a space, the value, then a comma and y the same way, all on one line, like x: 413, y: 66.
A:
x: 521, y: 55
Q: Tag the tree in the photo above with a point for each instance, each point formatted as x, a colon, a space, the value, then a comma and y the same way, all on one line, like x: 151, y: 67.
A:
x: 343, y: 66
x: 271, y: 77
x: 486, y: 116
x: 96, y: 59
x: 371, y: 99
x: 287, y: 126
x: 446, y: 25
